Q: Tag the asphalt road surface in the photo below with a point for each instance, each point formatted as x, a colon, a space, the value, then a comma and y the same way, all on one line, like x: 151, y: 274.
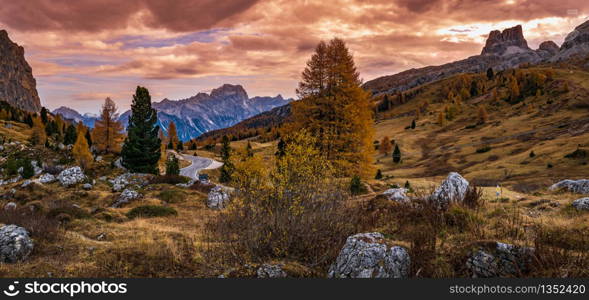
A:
x: 198, y: 163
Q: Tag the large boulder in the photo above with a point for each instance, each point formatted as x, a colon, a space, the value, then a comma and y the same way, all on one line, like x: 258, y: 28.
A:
x: 453, y: 189
x: 15, y: 244
x: 580, y: 186
x: 126, y: 196
x: 581, y: 204
x: 270, y: 271
x: 397, y: 195
x: 71, y: 176
x: 218, y: 197
x: 365, y: 255
x: 499, y: 260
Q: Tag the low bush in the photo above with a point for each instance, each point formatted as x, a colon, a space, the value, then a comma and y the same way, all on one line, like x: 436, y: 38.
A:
x: 151, y: 211
x: 202, y: 187
x: 169, y: 179
x: 40, y: 226
x: 483, y: 149
x: 172, y: 196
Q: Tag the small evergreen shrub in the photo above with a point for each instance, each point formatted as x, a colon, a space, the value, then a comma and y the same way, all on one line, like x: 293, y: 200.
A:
x: 483, y: 149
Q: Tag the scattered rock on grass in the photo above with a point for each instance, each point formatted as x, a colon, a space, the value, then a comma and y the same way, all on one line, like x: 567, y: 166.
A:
x: 397, y: 195
x: 270, y: 271
x: 46, y: 178
x: 15, y: 244
x: 126, y: 196
x: 71, y: 176
x: 453, y: 189
x: 218, y: 197
x: 502, y: 260
x: 580, y: 186
x: 365, y: 255
x: 581, y: 204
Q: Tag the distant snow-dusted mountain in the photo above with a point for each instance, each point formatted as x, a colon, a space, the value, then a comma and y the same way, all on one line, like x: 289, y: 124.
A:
x: 223, y: 107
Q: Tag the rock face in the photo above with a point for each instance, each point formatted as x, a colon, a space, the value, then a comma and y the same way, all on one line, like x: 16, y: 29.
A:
x: 397, y: 195
x: 510, y: 39
x: 270, y: 271
x: 17, y: 84
x: 500, y: 261
x: 576, y: 44
x: 365, y: 255
x: 218, y: 197
x: 15, y: 244
x: 581, y: 204
x: 550, y: 47
x: 453, y: 189
x: 580, y: 186
x: 71, y: 176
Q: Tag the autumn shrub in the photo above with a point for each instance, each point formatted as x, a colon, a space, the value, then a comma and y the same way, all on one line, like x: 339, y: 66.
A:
x: 40, y: 226
x: 560, y: 252
x: 172, y: 196
x: 295, y: 210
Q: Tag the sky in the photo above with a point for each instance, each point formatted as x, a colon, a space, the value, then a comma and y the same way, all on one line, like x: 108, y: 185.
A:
x: 85, y: 50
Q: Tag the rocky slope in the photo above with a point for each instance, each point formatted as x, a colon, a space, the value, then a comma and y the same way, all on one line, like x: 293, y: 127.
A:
x: 502, y: 50
x: 223, y: 107
x: 17, y: 84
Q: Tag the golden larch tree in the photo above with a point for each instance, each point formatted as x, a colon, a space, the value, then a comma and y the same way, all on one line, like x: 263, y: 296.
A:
x: 335, y: 109
x: 108, y: 131
x: 173, y: 135
x: 39, y: 136
x: 483, y: 115
x: 81, y: 150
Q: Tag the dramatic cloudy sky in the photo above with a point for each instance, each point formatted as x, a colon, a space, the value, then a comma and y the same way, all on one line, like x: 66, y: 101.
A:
x: 82, y: 51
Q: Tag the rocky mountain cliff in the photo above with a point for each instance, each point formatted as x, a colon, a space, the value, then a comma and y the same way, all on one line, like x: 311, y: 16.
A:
x: 502, y: 50
x: 223, y: 107
x: 17, y: 84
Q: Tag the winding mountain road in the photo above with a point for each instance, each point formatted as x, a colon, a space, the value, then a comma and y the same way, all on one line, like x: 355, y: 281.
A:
x: 198, y: 163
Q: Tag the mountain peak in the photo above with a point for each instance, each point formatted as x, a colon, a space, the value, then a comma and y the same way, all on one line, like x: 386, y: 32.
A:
x: 499, y: 42
x: 228, y: 90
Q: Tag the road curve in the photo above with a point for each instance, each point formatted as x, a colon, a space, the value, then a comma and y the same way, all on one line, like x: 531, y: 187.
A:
x: 198, y: 163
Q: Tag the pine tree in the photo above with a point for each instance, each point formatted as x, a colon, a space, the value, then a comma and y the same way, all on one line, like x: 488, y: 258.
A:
x: 413, y: 124
x: 88, y: 137
x: 356, y: 186
x: 335, y: 110
x: 27, y: 169
x: 180, y: 146
x: 28, y: 120
x: 227, y: 168
x: 378, y: 174
x: 81, y: 150
x: 172, y: 166
x: 70, y: 135
x: 172, y: 136
x: 397, y: 154
x: 490, y: 74
x: 107, y: 133
x: 385, y: 146
x: 44, y: 117
x: 281, y: 148
x: 141, y: 150
x: 39, y: 135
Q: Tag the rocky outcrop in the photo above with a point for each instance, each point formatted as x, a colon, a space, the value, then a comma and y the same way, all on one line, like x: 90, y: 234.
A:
x: 15, y: 244
x: 71, y: 176
x: 397, y: 195
x: 510, y: 40
x: 499, y: 260
x: 576, y: 44
x: 580, y: 186
x: 550, y: 47
x: 452, y: 190
x: 17, y: 84
x: 365, y: 255
x: 581, y: 204
x: 218, y: 197
x: 270, y: 271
